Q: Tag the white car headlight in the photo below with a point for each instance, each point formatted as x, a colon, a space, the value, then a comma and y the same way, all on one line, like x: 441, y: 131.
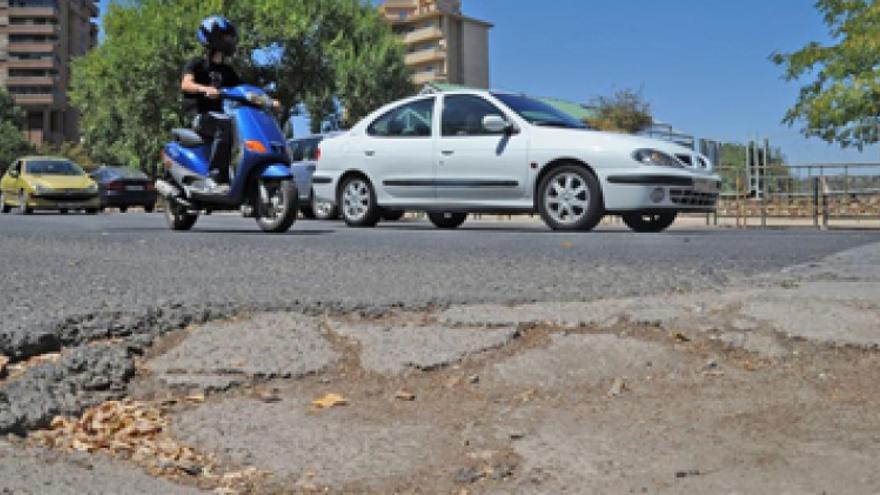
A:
x: 92, y: 189
x: 41, y: 189
x: 656, y: 158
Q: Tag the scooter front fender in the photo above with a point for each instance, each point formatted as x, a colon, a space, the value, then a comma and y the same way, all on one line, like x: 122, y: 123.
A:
x: 277, y: 171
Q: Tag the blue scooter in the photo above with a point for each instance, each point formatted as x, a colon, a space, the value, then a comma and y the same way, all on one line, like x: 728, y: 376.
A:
x: 260, y: 182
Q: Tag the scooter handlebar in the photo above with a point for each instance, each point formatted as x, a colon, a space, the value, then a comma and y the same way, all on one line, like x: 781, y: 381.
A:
x: 250, y: 98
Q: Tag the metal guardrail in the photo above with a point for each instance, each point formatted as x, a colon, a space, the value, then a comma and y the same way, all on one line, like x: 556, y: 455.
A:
x: 822, y: 184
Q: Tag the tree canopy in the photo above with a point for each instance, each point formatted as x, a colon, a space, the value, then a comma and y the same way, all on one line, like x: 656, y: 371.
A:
x: 317, y: 52
x: 13, y: 143
x: 842, y: 101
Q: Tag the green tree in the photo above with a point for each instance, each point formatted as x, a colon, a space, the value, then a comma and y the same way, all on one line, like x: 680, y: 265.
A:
x: 315, y: 52
x: 624, y: 111
x: 128, y: 88
x: 842, y: 102
x: 13, y: 143
x: 74, y: 152
x: 320, y: 52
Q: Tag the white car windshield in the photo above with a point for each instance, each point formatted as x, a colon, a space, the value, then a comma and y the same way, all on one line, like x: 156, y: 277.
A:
x: 539, y: 113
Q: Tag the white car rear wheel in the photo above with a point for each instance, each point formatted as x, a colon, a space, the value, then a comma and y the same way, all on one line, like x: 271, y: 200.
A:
x: 357, y: 201
x: 446, y: 220
x: 569, y: 198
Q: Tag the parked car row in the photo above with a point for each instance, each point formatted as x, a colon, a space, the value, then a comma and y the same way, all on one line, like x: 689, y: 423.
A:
x: 56, y: 184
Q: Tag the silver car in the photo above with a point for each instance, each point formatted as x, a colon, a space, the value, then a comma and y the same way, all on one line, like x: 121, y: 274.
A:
x: 305, y: 153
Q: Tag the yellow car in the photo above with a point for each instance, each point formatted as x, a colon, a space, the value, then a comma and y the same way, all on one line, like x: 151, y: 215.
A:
x: 47, y: 183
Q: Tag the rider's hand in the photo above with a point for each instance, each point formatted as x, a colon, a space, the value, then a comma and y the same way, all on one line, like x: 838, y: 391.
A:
x: 212, y: 92
x: 276, y: 104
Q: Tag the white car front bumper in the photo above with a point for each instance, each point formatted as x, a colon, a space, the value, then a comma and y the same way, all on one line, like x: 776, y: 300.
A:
x: 659, y: 190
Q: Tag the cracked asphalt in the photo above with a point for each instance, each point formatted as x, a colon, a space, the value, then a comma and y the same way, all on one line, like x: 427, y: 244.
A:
x: 71, y: 282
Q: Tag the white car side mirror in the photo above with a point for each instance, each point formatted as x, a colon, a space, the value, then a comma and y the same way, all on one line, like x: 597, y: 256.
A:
x: 496, y: 124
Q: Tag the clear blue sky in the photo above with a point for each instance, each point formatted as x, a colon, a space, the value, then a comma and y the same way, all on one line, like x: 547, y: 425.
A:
x: 702, y: 64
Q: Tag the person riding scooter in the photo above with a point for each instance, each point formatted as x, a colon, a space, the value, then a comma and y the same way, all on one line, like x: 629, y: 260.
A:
x: 203, y: 77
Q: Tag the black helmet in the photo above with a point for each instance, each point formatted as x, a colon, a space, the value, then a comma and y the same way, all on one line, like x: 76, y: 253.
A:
x: 217, y: 33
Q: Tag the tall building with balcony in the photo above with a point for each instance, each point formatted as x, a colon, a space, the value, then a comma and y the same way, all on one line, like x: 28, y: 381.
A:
x: 442, y: 45
x: 38, y: 41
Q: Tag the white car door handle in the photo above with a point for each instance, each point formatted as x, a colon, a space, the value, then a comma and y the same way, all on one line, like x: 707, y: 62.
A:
x: 370, y: 153
x: 448, y: 152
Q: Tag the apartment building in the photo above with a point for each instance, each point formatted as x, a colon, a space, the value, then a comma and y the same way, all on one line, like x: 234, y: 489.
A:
x: 38, y: 40
x: 442, y: 44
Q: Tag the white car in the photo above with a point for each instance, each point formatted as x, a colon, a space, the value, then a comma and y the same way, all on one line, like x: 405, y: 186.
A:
x: 461, y: 152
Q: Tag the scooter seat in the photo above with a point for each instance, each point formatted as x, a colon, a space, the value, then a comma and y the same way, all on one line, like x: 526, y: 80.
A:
x: 187, y: 138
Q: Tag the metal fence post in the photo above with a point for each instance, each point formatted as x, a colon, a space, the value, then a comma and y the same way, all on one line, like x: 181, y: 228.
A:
x: 825, y: 205
x: 738, y: 201
x: 815, y: 182
x: 764, y: 189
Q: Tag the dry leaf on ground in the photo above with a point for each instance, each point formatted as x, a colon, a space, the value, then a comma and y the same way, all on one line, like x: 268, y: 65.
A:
x: 617, y: 388
x: 139, y: 431
x: 330, y: 400
x: 405, y: 395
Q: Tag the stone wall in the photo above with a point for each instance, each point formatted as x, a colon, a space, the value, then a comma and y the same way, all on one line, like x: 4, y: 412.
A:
x: 839, y: 205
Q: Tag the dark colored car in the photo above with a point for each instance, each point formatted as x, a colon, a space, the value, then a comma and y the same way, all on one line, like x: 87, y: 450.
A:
x: 123, y: 188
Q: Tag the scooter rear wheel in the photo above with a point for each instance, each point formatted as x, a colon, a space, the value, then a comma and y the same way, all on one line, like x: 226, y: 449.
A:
x: 277, y: 204
x: 178, y: 218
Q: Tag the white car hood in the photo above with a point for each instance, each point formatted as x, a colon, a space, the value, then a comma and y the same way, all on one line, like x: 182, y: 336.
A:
x: 589, y: 140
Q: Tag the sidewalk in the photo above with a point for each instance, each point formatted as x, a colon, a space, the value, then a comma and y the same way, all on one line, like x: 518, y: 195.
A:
x: 769, y: 386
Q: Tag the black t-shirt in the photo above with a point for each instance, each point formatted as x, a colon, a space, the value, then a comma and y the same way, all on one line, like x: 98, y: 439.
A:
x: 208, y: 74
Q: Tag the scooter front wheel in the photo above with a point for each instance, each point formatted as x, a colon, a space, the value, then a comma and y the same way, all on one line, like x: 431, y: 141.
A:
x: 277, y: 204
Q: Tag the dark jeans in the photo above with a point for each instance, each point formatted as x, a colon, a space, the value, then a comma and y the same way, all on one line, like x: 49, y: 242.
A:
x: 216, y: 128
